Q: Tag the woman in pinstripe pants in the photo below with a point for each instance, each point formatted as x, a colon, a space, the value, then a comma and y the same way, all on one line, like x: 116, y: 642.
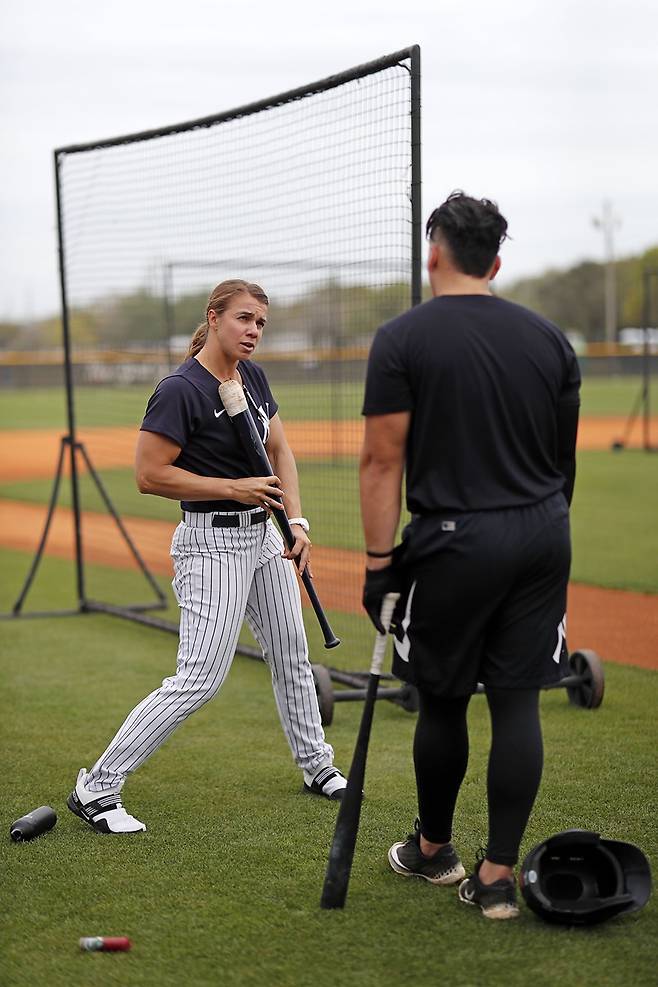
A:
x: 230, y: 563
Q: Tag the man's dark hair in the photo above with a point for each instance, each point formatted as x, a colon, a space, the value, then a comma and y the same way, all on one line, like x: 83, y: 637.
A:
x: 473, y: 229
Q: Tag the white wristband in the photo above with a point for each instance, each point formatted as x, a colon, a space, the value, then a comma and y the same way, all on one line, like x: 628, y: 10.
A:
x: 301, y: 521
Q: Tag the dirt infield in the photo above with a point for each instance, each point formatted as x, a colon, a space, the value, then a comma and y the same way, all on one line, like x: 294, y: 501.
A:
x: 31, y: 454
x: 622, y: 627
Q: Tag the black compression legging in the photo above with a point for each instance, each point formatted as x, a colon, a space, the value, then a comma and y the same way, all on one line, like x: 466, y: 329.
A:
x: 515, y: 766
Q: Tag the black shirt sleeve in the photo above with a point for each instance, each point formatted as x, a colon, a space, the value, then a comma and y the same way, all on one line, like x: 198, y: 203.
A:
x: 171, y: 410
x: 388, y: 387
x: 567, y: 424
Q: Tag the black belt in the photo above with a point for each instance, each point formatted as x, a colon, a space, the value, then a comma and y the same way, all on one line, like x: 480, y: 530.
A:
x: 233, y: 520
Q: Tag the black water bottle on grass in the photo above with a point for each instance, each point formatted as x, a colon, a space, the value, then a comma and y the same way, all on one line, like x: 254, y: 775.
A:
x: 33, y: 824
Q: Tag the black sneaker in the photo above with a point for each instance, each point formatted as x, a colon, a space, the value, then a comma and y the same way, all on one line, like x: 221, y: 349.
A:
x: 444, y: 867
x: 497, y: 900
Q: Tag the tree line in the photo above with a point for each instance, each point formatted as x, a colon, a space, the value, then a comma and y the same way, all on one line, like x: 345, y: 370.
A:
x: 341, y: 315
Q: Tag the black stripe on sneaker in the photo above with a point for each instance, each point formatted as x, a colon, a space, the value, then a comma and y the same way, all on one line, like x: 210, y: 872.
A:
x: 325, y: 775
x: 98, y: 806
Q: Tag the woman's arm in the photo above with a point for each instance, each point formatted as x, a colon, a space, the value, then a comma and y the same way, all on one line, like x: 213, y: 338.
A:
x: 156, y: 474
x: 283, y: 462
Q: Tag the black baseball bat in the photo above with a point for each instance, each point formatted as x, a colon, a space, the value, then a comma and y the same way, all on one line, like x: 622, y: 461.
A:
x: 341, y: 854
x: 233, y: 398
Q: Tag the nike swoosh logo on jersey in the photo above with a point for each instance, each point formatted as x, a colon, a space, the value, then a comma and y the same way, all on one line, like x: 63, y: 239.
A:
x: 218, y: 414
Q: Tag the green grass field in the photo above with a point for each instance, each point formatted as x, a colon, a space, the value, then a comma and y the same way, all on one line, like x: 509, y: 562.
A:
x: 46, y: 407
x: 54, y: 589
x: 224, y: 887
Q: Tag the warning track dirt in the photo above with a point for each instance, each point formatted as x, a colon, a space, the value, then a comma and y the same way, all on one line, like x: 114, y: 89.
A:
x: 31, y: 454
x: 621, y: 626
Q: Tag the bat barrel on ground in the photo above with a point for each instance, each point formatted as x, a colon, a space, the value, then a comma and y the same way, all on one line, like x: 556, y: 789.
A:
x: 341, y: 853
x: 232, y: 397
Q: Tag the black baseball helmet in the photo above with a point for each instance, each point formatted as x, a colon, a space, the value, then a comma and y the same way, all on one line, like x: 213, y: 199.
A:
x: 576, y: 878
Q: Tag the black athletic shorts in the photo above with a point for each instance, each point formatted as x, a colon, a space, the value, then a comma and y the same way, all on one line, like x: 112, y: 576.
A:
x: 485, y: 599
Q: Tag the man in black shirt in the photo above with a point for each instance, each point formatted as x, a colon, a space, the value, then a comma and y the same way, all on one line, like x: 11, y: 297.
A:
x: 477, y: 399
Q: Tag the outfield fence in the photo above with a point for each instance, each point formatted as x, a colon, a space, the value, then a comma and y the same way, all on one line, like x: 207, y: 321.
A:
x: 121, y: 367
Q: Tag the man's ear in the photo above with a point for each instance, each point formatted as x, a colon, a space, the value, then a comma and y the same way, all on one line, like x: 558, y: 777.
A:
x: 434, y: 257
x: 497, y: 264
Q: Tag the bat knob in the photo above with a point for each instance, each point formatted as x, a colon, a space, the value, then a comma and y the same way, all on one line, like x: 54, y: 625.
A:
x: 232, y: 397
x: 332, y: 642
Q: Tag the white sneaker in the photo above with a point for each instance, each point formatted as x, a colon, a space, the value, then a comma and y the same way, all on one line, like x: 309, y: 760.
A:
x: 328, y: 782
x: 103, y: 811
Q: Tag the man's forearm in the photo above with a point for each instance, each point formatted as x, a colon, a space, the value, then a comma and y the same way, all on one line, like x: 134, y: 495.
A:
x: 381, y: 485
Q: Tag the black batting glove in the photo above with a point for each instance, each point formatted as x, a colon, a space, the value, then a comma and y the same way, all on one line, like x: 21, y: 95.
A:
x: 377, y: 584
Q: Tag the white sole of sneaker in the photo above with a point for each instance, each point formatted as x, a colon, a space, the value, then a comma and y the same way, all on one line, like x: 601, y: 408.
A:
x: 499, y: 912
x: 443, y: 880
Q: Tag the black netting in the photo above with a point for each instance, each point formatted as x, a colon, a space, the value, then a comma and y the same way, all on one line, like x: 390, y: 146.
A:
x: 312, y: 199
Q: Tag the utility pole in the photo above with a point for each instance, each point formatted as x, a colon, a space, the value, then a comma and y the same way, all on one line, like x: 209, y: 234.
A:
x: 607, y: 223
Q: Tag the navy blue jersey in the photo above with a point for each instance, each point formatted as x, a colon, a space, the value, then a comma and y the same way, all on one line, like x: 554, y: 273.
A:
x: 493, y: 391
x: 186, y: 408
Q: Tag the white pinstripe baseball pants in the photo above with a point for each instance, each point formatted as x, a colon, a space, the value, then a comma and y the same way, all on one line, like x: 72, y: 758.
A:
x: 223, y: 576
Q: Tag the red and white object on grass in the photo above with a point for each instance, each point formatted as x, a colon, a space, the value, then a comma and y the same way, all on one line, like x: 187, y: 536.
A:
x: 108, y: 944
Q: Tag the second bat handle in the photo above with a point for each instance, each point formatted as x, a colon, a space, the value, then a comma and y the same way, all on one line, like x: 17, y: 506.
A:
x: 330, y: 639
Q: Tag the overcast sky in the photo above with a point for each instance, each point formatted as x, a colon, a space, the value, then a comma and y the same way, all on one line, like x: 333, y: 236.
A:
x: 547, y: 106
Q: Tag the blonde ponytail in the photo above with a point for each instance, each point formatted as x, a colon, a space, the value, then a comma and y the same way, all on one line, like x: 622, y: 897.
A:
x: 198, y: 340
